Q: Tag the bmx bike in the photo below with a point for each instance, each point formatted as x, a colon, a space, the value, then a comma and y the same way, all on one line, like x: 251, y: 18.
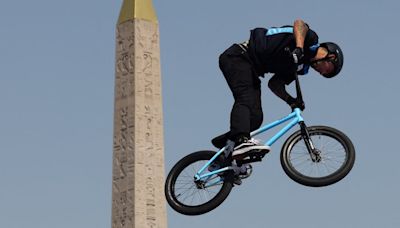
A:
x: 313, y: 156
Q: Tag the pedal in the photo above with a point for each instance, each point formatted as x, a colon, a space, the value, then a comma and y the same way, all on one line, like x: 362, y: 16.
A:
x: 252, y: 156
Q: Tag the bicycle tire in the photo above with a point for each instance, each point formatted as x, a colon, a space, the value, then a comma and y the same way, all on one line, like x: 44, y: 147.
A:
x: 339, y: 174
x: 205, y: 207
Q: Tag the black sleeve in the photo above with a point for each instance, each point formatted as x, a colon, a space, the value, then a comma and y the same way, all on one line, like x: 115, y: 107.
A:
x: 277, y: 85
x: 311, y: 38
x: 310, y: 43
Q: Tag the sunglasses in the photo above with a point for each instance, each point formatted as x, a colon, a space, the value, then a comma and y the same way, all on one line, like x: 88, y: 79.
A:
x: 327, y: 58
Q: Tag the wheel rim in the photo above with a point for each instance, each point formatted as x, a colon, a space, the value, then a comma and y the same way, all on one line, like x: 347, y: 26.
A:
x: 189, y: 193
x: 332, y: 151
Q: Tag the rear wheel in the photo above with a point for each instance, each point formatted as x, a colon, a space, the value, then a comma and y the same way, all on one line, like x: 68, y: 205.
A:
x: 190, y: 197
x: 331, y: 161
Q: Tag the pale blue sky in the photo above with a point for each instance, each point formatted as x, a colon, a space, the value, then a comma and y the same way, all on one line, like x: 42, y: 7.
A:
x: 56, y: 99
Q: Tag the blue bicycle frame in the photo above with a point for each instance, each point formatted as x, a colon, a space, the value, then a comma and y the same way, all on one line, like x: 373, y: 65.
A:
x: 296, y: 118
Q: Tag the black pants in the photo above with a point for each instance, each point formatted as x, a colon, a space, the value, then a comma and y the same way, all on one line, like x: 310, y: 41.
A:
x: 246, y: 114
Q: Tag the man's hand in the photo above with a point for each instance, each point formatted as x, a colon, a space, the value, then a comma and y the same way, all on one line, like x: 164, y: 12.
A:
x: 298, y: 55
x: 293, y: 103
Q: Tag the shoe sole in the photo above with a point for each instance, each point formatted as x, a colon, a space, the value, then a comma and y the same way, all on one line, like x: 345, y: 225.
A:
x: 250, y: 149
x: 251, y: 153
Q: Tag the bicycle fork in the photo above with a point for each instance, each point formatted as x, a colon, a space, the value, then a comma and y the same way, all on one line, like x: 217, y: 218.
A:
x: 314, y: 153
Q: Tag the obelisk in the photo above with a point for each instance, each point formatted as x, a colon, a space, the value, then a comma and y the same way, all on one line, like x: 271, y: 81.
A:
x: 138, y: 149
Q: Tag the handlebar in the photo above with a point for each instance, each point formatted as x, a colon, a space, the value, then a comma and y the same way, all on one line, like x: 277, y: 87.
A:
x: 298, y: 90
x: 298, y: 103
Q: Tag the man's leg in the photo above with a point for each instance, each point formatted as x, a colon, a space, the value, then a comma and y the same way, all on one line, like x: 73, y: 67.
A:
x: 256, y: 113
x: 241, y: 114
x: 240, y: 76
x: 255, y: 122
x: 246, y: 114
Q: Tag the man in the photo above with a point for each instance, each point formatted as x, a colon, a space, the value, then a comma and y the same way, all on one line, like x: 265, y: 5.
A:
x: 282, y: 51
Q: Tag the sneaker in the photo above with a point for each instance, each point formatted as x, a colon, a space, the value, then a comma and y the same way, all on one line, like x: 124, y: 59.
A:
x: 249, y: 147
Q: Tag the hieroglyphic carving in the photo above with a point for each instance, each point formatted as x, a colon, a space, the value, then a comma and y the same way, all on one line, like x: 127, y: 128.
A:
x: 124, y: 127
x: 138, y: 166
x: 146, y: 69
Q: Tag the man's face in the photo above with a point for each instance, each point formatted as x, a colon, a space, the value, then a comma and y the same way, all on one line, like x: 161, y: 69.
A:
x: 324, y: 66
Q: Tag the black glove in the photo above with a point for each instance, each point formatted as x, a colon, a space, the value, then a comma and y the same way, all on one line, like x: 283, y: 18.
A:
x: 294, y: 103
x: 298, y: 55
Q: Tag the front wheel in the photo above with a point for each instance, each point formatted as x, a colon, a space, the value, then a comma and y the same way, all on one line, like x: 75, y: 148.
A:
x: 331, y: 160
x: 190, y: 197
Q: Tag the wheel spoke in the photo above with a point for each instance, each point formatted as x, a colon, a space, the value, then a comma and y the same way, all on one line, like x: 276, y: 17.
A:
x: 333, y: 156
x: 186, y: 190
x: 189, y: 195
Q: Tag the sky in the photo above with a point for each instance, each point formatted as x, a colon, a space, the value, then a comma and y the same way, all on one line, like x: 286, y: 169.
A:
x: 57, y: 94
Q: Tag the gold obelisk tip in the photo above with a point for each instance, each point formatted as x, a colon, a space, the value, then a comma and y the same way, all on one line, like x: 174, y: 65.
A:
x: 139, y: 9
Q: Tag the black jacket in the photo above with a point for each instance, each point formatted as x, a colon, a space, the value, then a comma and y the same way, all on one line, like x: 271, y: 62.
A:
x: 269, y: 50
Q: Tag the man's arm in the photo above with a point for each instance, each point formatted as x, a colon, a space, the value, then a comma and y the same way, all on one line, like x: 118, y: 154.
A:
x: 300, y: 29
x: 277, y: 85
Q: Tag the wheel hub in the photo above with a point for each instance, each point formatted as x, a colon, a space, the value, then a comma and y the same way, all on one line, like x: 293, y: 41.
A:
x: 316, y: 156
x: 200, y: 184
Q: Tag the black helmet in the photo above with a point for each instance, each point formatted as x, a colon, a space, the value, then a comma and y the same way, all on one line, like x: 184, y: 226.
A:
x: 337, y: 61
